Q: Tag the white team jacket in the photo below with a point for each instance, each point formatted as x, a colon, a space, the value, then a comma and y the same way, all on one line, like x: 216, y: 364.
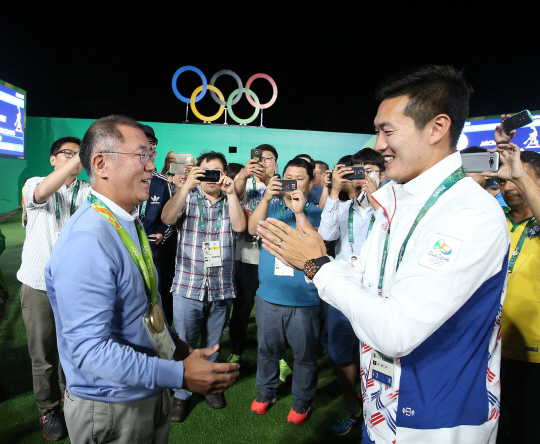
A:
x: 439, y: 314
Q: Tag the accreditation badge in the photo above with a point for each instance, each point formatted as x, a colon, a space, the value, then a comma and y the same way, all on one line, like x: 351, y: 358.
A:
x: 382, y: 368
x: 161, y: 341
x: 212, y: 254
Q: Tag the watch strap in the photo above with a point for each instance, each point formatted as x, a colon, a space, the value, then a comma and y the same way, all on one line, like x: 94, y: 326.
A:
x: 312, y: 266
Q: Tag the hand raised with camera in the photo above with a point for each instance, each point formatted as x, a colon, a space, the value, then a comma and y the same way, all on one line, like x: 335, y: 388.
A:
x: 226, y: 184
x: 338, y: 180
x: 511, y: 167
x: 272, y: 189
x: 193, y: 178
x: 501, y: 136
x: 298, y: 200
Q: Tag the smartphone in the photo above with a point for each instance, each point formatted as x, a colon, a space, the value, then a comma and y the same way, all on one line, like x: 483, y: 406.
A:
x: 480, y: 162
x: 211, y: 176
x: 359, y: 172
x: 256, y: 154
x: 152, y: 239
x: 179, y: 164
x: 288, y: 185
x: 518, y: 120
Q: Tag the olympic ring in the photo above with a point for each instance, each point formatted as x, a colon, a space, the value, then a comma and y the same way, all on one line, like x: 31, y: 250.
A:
x: 274, y: 89
x: 238, y: 81
x: 197, y: 113
x: 217, y: 96
x: 230, y: 102
x: 175, y: 78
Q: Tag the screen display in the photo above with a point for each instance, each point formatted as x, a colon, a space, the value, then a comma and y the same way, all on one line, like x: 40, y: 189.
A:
x: 479, y: 132
x: 12, y: 120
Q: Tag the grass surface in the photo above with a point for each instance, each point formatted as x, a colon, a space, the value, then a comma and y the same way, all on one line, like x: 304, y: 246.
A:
x: 234, y: 424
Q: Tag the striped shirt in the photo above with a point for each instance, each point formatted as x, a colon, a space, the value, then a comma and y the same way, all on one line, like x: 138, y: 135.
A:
x: 43, y: 228
x: 191, y: 278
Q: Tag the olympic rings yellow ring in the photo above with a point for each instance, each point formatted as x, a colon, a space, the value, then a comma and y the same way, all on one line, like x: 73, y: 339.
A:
x: 194, y: 108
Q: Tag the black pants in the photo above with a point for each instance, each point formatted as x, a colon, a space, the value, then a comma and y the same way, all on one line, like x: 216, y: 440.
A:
x: 247, y: 283
x: 520, y: 407
x: 166, y: 258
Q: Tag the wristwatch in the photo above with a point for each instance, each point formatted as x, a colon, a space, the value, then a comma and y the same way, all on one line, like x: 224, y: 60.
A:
x: 312, y: 266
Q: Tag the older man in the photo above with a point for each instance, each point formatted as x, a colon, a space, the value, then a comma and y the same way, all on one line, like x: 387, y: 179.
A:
x: 114, y: 345
x: 425, y: 295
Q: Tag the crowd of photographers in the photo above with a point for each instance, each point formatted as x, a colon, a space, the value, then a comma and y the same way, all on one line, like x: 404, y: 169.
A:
x: 203, y: 229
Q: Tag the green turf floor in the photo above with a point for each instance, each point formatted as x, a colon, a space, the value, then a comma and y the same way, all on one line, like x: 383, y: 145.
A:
x: 234, y: 424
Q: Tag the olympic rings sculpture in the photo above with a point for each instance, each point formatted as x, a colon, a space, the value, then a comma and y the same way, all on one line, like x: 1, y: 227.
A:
x: 218, y: 97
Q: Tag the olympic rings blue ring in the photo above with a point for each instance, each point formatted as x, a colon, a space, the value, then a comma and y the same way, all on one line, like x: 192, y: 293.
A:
x: 196, y: 71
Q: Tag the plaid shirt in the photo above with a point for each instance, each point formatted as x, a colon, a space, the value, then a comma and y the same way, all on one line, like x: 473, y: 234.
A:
x: 191, y: 278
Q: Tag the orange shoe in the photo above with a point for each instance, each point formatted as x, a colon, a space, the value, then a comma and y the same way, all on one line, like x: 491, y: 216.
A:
x: 298, y: 415
x: 261, y: 405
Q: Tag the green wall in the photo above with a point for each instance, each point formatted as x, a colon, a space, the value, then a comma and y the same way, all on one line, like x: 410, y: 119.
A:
x: 41, y: 132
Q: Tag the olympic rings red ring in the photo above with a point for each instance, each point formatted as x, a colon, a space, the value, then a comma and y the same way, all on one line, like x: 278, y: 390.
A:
x: 274, y: 88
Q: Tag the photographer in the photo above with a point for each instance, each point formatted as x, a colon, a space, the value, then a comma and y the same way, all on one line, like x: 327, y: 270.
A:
x: 203, y: 287
x: 519, y: 179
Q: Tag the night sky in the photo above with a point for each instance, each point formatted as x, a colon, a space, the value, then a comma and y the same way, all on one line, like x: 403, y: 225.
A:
x: 119, y: 57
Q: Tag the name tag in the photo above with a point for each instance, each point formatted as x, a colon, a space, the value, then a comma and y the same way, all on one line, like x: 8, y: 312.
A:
x: 280, y: 269
x: 382, y: 368
x: 162, y: 342
x: 212, y: 254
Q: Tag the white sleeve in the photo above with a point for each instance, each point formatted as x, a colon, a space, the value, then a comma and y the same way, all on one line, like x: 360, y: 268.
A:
x: 420, y: 299
x: 329, y: 227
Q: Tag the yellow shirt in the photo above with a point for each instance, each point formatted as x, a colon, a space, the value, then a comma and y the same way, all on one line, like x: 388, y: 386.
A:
x: 520, y: 323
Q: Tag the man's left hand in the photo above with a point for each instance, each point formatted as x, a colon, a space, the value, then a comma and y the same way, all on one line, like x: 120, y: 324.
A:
x: 293, y: 247
x: 158, y: 236
x: 226, y: 184
x: 511, y: 167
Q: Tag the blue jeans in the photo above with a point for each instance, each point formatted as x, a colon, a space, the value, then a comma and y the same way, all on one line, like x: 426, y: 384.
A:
x: 189, y: 317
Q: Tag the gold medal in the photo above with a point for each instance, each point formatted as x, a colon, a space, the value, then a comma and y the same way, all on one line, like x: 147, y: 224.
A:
x: 157, y: 319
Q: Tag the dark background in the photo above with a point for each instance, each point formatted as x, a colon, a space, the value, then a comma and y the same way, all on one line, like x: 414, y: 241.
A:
x: 90, y: 59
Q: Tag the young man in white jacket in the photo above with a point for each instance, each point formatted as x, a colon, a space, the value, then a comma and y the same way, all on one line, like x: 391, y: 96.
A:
x: 425, y: 297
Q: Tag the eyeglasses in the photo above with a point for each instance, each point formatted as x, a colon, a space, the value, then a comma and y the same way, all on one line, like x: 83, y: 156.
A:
x: 67, y: 152
x: 144, y: 156
x: 372, y: 171
x: 268, y: 159
x: 153, y: 144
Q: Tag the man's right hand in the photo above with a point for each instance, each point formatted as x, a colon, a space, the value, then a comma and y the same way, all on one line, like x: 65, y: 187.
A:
x: 193, y: 177
x: 338, y: 180
x: 501, y: 136
x: 252, y: 168
x: 205, y: 377
x: 272, y: 189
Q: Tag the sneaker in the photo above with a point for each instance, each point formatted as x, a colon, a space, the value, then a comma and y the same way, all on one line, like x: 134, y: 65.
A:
x: 215, y: 401
x: 53, y: 429
x: 261, y: 405
x: 284, y: 370
x: 344, y: 422
x: 298, y: 415
x: 233, y: 359
x: 179, y: 410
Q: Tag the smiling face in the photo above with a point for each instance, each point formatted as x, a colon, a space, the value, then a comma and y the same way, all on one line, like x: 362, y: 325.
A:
x: 127, y: 177
x: 406, y: 150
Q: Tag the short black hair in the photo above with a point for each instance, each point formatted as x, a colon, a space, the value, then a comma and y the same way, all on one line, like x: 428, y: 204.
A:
x: 473, y: 149
x: 299, y: 162
x: 307, y: 156
x: 320, y: 162
x: 233, y: 169
x: 492, y: 184
x: 57, y: 145
x: 370, y: 156
x: 103, y: 135
x: 345, y: 160
x: 266, y: 147
x: 532, y: 159
x: 211, y: 155
x: 432, y: 90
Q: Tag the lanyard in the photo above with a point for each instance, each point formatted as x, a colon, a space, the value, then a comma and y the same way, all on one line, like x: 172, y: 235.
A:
x: 447, y: 183
x: 371, y: 222
x: 143, y: 208
x: 254, y: 201
x: 144, y: 262
x: 201, y: 211
x: 516, y: 252
x: 281, y: 205
x: 351, y: 214
x: 73, y: 201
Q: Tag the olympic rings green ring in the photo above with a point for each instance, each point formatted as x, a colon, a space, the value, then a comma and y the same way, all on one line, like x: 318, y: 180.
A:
x: 231, y: 113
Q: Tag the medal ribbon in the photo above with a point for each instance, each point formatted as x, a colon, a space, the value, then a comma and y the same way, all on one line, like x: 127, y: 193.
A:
x: 73, y: 201
x: 201, y: 212
x: 143, y: 261
x: 516, y: 252
x: 446, y: 184
x: 281, y: 205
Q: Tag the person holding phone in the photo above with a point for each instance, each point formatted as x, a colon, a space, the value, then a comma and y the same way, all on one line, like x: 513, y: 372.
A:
x: 287, y: 309
x: 208, y: 214
x: 348, y: 223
